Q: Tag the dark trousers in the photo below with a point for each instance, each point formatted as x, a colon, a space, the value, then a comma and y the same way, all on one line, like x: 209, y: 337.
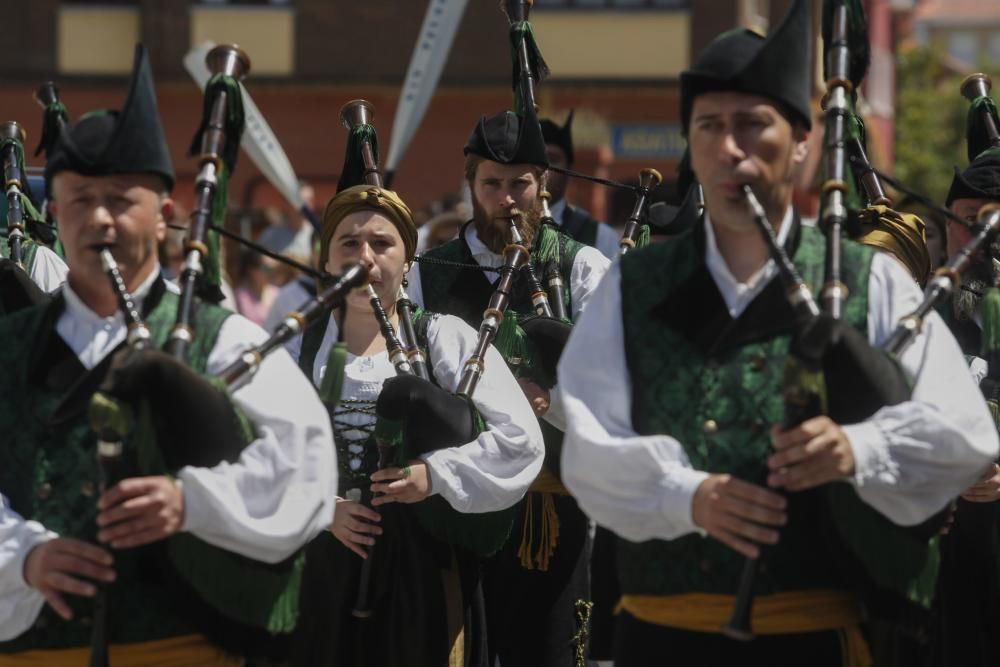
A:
x: 639, y: 644
x: 531, y: 615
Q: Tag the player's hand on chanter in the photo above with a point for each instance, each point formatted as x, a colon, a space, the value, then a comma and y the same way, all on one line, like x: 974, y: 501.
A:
x: 739, y: 514
x: 64, y: 565
x: 354, y: 525
x: 139, y: 511
x: 808, y: 455
x: 408, y: 484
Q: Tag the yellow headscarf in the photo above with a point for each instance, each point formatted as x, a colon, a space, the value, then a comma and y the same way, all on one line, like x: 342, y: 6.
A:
x: 900, y: 234
x: 368, y: 198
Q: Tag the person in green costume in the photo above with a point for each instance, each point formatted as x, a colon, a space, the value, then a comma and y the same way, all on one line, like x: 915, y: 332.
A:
x: 673, y: 387
x: 199, y: 547
x: 968, y: 600
x: 536, y: 588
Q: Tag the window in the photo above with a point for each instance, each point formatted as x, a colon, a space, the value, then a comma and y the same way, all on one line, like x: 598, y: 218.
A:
x: 964, y: 46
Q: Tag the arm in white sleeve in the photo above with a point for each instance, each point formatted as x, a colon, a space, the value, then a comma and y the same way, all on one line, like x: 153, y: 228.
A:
x: 913, y: 458
x: 19, y: 603
x: 640, y: 487
x: 48, y: 270
x: 279, y: 493
x: 495, y: 470
x: 589, y: 266
x: 556, y: 414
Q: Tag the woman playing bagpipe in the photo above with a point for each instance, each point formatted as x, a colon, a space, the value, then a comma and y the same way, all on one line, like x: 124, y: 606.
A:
x: 218, y: 491
x: 423, y: 606
x: 682, y: 437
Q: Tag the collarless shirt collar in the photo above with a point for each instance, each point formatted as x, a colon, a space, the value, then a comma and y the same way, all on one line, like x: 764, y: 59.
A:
x: 739, y: 295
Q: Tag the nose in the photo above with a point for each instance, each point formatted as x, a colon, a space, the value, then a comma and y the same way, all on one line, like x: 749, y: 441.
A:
x: 367, y: 256
x: 102, y: 216
x: 730, y: 151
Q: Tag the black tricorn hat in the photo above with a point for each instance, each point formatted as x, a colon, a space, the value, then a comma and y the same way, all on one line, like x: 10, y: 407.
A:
x: 777, y: 67
x: 508, y: 138
x: 129, y: 141
x: 560, y: 135
x: 980, y: 180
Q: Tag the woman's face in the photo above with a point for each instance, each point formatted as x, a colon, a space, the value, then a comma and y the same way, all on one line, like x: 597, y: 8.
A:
x: 369, y: 238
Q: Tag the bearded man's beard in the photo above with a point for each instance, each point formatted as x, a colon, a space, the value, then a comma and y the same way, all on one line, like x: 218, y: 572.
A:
x: 495, y: 232
x: 977, y: 279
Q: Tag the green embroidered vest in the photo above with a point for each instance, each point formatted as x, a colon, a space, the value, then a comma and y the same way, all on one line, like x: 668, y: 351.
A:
x: 49, y: 471
x: 718, y: 391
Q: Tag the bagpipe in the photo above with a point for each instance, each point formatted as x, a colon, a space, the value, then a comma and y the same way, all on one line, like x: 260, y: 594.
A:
x: 217, y: 145
x: 17, y: 248
x: 831, y: 368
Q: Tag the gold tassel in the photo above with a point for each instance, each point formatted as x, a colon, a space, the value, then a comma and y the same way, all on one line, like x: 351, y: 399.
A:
x: 584, y: 608
x: 548, y: 535
x: 524, y: 552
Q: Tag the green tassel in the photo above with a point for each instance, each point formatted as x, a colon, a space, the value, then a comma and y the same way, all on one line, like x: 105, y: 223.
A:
x: 989, y: 311
x: 210, y: 288
x: 546, y: 246
x: 509, y: 340
x: 353, y: 172
x: 333, y: 378
x: 976, y: 137
x: 523, y: 32
x: 110, y: 417
x: 994, y: 409
x: 643, y: 239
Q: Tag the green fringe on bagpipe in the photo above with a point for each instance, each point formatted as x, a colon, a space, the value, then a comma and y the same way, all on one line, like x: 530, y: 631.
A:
x: 333, y: 377
x: 353, y: 172
x: 510, y: 339
x: 546, y: 246
x: 52, y: 117
x: 235, y: 120
x: 989, y: 311
x: 264, y: 596
x: 642, y: 240
x: 522, y: 31
x: 977, y: 138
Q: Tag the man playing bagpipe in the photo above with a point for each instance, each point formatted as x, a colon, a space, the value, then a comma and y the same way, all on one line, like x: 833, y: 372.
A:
x: 573, y: 221
x: 536, y: 587
x: 968, y: 604
x: 419, y: 577
x: 195, y: 546
x: 683, y: 380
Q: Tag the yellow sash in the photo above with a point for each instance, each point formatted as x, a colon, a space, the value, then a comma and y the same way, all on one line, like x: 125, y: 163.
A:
x: 184, y: 651
x: 778, y: 614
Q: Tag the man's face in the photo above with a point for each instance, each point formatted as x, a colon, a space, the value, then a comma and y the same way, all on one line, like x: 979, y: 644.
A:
x: 555, y: 182
x: 502, y: 191
x: 738, y: 139
x: 123, y: 212
x: 979, y: 276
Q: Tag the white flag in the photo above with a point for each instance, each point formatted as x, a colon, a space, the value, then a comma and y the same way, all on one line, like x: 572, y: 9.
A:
x: 429, y: 56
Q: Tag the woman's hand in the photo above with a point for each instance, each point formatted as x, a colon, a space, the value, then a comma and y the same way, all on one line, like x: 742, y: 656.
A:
x: 353, y: 525
x: 409, y: 484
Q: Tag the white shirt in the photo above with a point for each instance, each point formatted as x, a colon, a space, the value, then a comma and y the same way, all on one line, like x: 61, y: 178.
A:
x: 270, y: 502
x: 493, y: 471
x: 607, y: 238
x: 589, y: 266
x: 48, y: 270
x: 911, y: 459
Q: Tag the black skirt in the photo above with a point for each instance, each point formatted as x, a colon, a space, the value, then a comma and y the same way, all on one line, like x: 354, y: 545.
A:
x: 409, y: 598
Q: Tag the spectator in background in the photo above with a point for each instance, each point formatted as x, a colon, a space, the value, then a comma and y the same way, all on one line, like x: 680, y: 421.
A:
x: 255, y: 292
x: 291, y: 235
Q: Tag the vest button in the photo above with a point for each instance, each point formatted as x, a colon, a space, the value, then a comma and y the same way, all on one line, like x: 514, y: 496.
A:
x: 87, y: 488
x: 758, y: 362
x: 43, y: 491
x: 710, y: 427
x: 757, y: 426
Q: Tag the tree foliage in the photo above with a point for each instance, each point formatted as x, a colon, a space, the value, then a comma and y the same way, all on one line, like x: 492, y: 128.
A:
x: 930, y: 122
